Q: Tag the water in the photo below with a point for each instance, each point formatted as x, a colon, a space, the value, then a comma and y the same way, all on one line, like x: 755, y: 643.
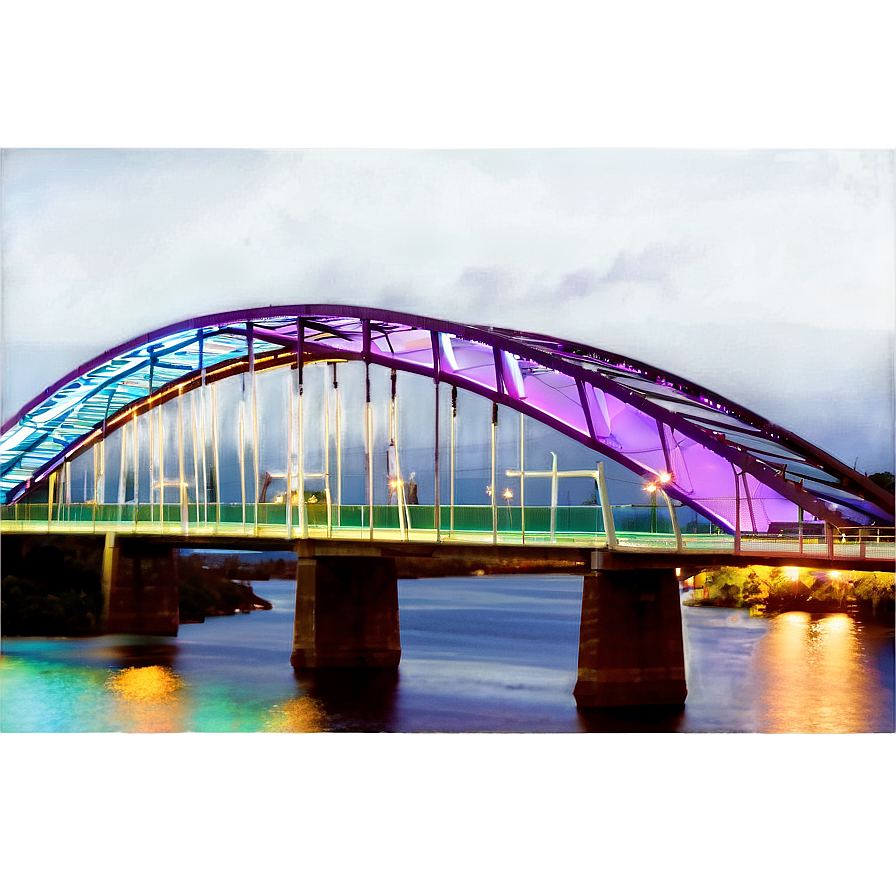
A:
x: 486, y: 654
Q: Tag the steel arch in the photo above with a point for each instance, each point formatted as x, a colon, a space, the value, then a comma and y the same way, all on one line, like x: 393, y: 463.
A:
x: 712, y: 454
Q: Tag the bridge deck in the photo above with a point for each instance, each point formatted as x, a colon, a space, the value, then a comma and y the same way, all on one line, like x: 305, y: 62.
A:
x: 591, y: 549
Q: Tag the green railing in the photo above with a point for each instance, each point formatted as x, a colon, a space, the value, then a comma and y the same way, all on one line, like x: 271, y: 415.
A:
x: 466, y: 518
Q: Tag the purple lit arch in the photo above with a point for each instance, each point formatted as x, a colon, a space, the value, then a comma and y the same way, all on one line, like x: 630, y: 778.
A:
x: 654, y: 423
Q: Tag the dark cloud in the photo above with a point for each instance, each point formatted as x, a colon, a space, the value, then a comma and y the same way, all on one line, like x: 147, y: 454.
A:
x: 654, y: 264
x: 331, y: 281
x: 578, y: 285
x: 500, y: 286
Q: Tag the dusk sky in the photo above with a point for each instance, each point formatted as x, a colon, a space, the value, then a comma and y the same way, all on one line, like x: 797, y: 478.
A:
x: 765, y: 275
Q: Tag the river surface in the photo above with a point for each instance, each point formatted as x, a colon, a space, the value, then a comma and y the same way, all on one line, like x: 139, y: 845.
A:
x: 480, y: 654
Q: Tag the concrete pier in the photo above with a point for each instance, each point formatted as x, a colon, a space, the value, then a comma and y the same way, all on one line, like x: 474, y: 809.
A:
x: 346, y: 612
x: 631, y: 650
x: 140, y: 587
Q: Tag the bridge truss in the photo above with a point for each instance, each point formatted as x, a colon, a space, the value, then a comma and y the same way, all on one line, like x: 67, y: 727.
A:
x: 734, y: 467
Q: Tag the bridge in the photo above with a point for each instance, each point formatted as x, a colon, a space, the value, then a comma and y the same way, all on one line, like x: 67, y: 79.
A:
x: 231, y: 430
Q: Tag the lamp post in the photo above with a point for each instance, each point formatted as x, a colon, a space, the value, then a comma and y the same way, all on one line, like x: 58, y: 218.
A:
x: 657, y: 486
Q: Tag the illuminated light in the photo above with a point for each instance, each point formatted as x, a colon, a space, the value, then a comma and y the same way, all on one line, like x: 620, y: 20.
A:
x: 796, y: 619
x: 677, y: 571
x: 834, y: 574
x: 665, y: 477
x: 300, y: 715
x: 792, y: 573
x: 394, y: 483
x: 650, y: 487
x: 837, y: 623
x: 278, y: 499
x: 488, y: 490
x: 516, y: 375
x: 150, y: 684
x: 508, y: 494
x: 447, y: 351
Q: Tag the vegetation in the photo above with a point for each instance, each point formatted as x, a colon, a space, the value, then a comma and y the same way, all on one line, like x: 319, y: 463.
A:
x: 261, y: 567
x: 49, y: 592
x: 884, y: 480
x: 769, y: 590
x: 209, y: 591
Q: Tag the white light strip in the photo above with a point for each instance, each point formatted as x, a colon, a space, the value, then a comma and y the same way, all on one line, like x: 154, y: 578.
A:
x: 447, y: 351
x: 512, y: 364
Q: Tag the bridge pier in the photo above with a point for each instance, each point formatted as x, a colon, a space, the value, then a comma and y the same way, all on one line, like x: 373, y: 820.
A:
x: 346, y: 612
x: 631, y: 649
x: 140, y: 588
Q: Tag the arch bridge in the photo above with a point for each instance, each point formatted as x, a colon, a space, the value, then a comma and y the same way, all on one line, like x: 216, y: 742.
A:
x: 763, y: 488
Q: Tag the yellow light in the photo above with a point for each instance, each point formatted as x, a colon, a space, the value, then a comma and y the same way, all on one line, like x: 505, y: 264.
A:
x: 792, y: 573
x: 665, y: 477
x: 508, y: 494
x: 148, y: 684
x: 278, y: 499
x: 834, y: 574
x: 650, y: 488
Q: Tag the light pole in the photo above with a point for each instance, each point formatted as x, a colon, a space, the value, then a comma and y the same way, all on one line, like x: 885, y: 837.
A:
x: 657, y: 486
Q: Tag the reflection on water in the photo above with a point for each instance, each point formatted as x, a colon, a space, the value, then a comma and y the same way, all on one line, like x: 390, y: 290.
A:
x: 812, y: 676
x: 301, y: 715
x: 351, y: 699
x: 633, y: 719
x: 149, y: 684
x: 496, y: 653
x: 147, y: 699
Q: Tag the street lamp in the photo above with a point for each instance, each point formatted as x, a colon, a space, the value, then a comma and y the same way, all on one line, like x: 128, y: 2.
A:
x: 652, y: 488
x: 508, y: 495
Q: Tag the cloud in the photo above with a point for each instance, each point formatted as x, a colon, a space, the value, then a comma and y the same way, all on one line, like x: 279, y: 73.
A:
x: 578, y: 285
x: 655, y: 263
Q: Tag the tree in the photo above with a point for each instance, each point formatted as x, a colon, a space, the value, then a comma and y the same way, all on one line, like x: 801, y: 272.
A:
x: 884, y: 480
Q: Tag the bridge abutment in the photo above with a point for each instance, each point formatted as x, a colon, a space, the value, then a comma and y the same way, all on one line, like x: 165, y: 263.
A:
x: 140, y: 587
x: 631, y: 648
x: 346, y: 612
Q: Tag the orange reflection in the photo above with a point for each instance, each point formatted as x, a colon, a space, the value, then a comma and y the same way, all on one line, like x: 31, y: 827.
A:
x: 149, y: 699
x: 813, y: 676
x: 301, y: 715
x: 147, y: 684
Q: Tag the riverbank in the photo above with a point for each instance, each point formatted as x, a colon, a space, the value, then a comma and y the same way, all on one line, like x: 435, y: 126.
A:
x: 770, y: 591
x: 282, y: 565
x: 50, y: 593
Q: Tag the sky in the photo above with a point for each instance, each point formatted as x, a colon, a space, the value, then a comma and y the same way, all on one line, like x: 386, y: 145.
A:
x: 765, y: 275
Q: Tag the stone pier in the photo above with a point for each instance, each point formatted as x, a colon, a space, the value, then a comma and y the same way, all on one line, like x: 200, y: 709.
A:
x: 346, y: 612
x: 631, y: 649
x: 140, y: 587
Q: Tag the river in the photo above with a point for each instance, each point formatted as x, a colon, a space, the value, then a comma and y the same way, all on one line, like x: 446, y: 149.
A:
x: 479, y: 654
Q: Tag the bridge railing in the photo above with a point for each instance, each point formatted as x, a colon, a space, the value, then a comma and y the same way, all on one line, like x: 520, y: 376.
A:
x: 573, y: 525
